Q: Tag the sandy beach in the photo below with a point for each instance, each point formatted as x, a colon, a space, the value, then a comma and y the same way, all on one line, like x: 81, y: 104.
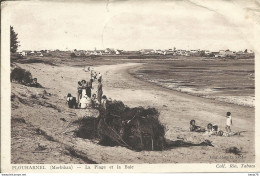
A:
x: 176, y: 111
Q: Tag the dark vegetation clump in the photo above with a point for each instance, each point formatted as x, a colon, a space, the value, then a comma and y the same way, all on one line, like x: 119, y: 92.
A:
x: 87, y: 128
x: 24, y: 77
x: 135, y: 128
x: 21, y: 76
x: 233, y: 150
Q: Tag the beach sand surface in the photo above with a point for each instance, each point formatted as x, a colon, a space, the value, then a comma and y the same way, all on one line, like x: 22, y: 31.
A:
x: 50, y: 114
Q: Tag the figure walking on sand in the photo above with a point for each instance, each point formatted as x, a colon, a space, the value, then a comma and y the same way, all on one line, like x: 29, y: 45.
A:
x: 99, y: 91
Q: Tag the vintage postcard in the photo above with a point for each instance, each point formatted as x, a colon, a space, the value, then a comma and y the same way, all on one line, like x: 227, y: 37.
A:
x: 130, y: 86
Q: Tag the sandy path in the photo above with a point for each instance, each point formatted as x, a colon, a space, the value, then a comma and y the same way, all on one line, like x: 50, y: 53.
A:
x: 176, y: 109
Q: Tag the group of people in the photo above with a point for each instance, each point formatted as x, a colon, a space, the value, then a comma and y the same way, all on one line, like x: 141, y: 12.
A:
x: 85, y: 96
x: 213, y: 129
x: 93, y: 74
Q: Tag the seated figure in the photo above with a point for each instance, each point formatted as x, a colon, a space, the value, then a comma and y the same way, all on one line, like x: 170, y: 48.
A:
x: 71, y: 101
x: 195, y: 128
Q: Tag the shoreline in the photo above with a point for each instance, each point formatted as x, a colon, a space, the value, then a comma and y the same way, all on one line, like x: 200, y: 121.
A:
x: 245, y: 101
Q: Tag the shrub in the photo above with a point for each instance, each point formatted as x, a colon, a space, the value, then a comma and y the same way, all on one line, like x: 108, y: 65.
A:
x: 21, y: 76
x: 135, y: 128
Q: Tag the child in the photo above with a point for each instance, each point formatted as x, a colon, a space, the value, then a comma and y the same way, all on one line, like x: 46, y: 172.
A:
x: 195, y: 128
x: 209, y: 129
x: 215, y: 129
x: 229, y: 122
x: 94, y: 101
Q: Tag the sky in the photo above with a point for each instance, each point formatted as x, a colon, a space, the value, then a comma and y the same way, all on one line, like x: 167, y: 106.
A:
x: 134, y: 25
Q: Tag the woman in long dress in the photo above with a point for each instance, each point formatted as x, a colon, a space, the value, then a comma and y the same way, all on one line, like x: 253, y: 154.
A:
x: 89, y: 87
x: 79, y: 91
x: 99, y: 91
x: 84, y: 87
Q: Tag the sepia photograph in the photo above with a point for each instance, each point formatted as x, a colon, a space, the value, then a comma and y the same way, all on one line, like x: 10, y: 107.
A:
x: 130, y: 82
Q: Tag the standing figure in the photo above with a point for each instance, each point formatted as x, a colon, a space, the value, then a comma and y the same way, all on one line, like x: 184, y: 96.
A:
x: 95, y: 75
x: 89, y: 87
x: 91, y: 74
x: 229, y: 122
x: 84, y: 87
x: 99, y: 76
x: 99, y: 91
x: 79, y: 90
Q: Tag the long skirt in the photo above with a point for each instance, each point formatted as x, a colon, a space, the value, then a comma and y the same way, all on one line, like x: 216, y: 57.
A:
x: 99, y: 96
x: 88, y: 92
x: 84, y: 92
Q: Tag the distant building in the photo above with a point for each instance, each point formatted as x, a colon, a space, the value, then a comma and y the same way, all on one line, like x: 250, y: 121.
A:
x: 169, y: 51
x: 119, y: 52
x: 194, y: 51
x: 25, y: 52
x: 147, y: 51
x: 109, y: 51
x: 181, y: 52
x: 226, y: 53
x: 98, y: 52
x: 158, y: 51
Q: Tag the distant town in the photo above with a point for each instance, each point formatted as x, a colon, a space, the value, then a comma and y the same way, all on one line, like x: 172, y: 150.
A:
x: 169, y: 52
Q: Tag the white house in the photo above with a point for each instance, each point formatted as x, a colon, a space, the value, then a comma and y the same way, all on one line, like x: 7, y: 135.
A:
x: 147, y: 51
x: 158, y: 51
x: 23, y: 53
